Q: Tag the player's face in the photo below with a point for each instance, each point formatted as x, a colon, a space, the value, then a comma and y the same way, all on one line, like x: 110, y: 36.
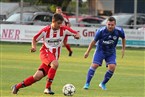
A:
x: 110, y: 25
x: 58, y: 10
x: 56, y: 24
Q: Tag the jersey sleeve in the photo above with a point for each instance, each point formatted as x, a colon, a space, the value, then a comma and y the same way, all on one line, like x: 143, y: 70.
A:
x: 122, y: 34
x: 69, y: 31
x: 97, y: 35
x: 40, y: 34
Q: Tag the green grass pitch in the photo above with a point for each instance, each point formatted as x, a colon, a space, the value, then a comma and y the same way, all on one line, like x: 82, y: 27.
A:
x: 17, y: 63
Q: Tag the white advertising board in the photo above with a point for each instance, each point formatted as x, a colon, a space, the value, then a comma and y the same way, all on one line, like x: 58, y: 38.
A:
x: 24, y: 33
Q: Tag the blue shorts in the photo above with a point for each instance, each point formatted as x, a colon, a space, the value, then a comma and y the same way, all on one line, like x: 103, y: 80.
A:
x: 99, y: 56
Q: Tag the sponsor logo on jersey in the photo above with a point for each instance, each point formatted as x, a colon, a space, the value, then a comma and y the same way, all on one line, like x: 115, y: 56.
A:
x: 114, y: 37
x: 108, y: 42
x: 54, y: 42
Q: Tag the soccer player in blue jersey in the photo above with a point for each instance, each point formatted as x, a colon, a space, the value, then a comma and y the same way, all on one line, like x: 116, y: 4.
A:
x: 105, y: 39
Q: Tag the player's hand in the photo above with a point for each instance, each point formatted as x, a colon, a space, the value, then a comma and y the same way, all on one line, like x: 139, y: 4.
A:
x: 33, y: 50
x: 77, y: 36
x: 86, y: 55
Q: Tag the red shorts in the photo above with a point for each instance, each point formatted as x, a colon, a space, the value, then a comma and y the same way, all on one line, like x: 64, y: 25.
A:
x: 44, y: 68
x: 46, y: 57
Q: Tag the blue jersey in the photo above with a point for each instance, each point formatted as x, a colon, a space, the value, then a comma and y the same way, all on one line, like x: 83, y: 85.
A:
x: 107, y: 41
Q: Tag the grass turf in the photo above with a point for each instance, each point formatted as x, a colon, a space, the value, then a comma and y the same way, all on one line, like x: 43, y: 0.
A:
x: 17, y: 63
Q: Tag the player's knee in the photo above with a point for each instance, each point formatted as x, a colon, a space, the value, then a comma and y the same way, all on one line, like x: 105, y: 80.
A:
x: 95, y: 66
x: 37, y: 78
x: 112, y: 67
x: 54, y: 64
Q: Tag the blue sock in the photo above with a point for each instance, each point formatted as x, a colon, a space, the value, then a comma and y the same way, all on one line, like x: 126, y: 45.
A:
x: 107, y: 76
x: 90, y: 74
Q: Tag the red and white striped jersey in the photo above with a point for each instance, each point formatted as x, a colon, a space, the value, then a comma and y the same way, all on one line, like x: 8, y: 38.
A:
x: 52, y: 40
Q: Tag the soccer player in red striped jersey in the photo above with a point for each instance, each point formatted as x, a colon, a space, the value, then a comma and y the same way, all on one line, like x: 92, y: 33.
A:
x: 53, y: 36
x: 67, y: 23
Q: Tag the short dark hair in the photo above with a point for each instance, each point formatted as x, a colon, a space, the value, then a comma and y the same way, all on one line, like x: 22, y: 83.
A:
x: 57, y: 17
x: 111, y: 19
x: 58, y: 7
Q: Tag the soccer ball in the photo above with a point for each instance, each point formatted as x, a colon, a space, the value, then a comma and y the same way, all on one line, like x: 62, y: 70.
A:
x: 68, y: 90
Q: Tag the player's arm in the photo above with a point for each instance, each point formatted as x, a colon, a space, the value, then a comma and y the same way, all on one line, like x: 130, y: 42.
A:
x: 123, y: 46
x: 33, y: 44
x: 93, y: 42
x: 122, y: 35
x: 89, y: 48
x: 35, y: 39
x: 72, y: 32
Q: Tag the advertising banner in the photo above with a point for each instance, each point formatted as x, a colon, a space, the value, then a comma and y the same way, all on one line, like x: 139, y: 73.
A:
x: 25, y: 33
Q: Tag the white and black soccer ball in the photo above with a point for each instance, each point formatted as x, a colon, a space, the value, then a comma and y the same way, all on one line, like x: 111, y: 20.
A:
x: 69, y: 90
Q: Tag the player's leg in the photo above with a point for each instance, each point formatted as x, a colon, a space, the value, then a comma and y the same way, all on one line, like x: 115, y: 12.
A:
x: 97, y: 61
x: 111, y: 64
x: 90, y: 75
x: 50, y: 76
x: 28, y: 81
x: 49, y: 59
x: 67, y: 45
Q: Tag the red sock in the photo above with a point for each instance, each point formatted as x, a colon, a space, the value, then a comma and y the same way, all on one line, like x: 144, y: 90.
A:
x: 27, y: 82
x: 51, y: 74
x: 68, y: 47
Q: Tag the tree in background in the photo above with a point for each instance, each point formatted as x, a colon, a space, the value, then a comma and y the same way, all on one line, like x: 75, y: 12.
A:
x: 52, y: 4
